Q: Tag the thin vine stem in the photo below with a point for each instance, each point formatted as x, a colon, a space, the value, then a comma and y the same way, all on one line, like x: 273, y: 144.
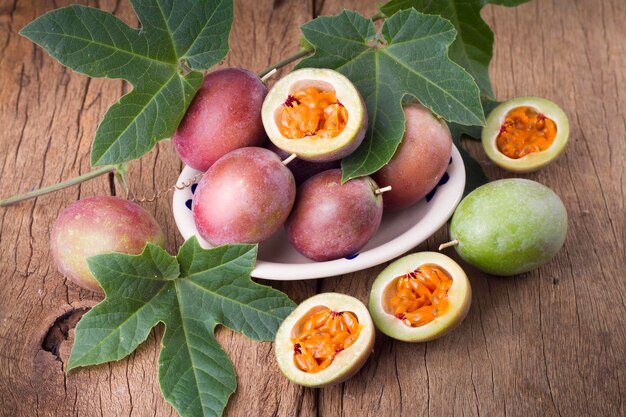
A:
x: 300, y: 54
x: 59, y: 186
x: 185, y: 184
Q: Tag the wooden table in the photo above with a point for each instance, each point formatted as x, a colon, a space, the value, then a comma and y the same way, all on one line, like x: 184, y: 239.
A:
x: 547, y: 343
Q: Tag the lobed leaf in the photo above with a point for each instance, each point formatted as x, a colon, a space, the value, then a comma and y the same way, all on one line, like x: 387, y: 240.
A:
x: 473, y: 50
x: 191, y: 294
x: 132, y: 126
x: 98, y: 44
x: 174, y: 36
x: 408, y: 59
x: 473, y: 46
x: 138, y: 291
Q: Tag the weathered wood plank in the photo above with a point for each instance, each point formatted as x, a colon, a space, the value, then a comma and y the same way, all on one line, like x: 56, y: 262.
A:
x: 530, y: 344
x: 128, y: 387
x: 547, y: 343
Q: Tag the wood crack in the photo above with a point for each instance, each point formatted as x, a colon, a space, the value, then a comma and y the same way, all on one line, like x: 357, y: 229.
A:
x: 543, y: 350
x: 395, y: 363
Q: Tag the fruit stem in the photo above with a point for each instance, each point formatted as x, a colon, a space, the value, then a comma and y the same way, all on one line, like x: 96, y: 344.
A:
x: 300, y: 54
x: 290, y: 158
x: 59, y: 186
x: 268, y: 75
x: 448, y: 244
x: 382, y: 190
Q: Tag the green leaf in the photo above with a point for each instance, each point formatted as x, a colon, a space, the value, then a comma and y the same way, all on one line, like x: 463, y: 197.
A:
x: 475, y: 176
x: 473, y: 46
x: 132, y: 126
x: 191, y: 294
x: 472, y: 132
x: 408, y: 59
x: 174, y: 36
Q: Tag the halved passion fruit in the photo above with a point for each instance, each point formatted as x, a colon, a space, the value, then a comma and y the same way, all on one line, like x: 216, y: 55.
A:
x: 315, y: 113
x: 420, y: 297
x: 525, y: 134
x: 325, y: 340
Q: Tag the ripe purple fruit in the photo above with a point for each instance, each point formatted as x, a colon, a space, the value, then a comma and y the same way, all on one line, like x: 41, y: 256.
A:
x: 331, y: 220
x: 244, y: 197
x: 419, y: 162
x: 224, y: 115
x: 96, y: 225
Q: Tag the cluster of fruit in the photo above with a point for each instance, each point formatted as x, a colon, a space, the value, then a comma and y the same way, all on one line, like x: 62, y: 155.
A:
x: 248, y: 191
x: 504, y: 228
x: 318, y: 116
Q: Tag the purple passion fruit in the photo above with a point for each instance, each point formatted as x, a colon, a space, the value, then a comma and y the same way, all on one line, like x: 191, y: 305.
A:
x: 224, y: 115
x: 525, y: 134
x: 420, y: 297
x: 509, y: 226
x: 244, y: 197
x: 315, y: 113
x: 96, y: 225
x: 419, y: 162
x: 325, y: 340
x: 331, y: 220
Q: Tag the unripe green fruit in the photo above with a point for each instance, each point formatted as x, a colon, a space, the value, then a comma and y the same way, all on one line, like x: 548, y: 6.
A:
x: 509, y: 226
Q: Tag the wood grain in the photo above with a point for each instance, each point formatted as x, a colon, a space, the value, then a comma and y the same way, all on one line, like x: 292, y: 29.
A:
x: 548, y: 343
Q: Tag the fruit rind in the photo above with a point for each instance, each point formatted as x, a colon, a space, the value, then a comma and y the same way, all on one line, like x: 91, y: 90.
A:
x: 494, y: 241
x: 533, y: 161
x: 419, y: 162
x: 346, y: 363
x: 96, y: 225
x: 244, y: 197
x: 459, y: 294
x: 318, y: 149
x: 330, y: 219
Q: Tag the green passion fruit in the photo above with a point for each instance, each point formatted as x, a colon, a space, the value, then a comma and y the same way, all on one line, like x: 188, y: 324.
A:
x: 509, y: 226
x: 420, y: 160
x: 315, y: 113
x: 325, y: 340
x: 525, y: 134
x: 420, y: 297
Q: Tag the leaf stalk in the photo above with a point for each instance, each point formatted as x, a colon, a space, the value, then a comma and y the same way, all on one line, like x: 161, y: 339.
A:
x: 300, y: 54
x: 59, y: 186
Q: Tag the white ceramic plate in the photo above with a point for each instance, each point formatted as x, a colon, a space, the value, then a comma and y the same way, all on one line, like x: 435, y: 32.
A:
x: 399, y: 231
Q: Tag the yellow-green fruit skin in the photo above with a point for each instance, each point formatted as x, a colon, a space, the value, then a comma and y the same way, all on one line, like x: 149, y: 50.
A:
x: 509, y: 227
x: 317, y: 149
x: 459, y: 296
x: 346, y: 362
x: 534, y: 161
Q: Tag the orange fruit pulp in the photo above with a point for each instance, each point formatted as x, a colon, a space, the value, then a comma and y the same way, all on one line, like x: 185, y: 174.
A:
x: 312, y: 113
x: 324, y: 334
x: 524, y: 131
x: 421, y: 295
